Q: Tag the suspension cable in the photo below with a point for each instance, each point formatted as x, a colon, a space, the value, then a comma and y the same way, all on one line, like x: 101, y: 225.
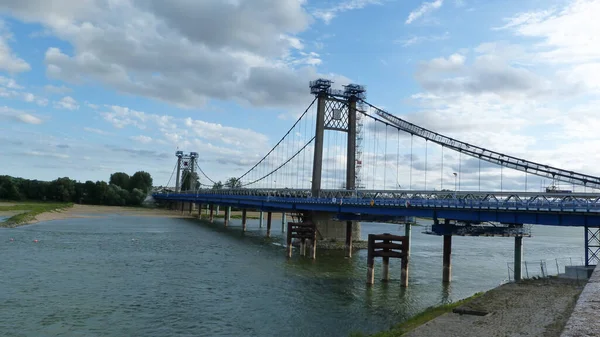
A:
x: 280, y: 166
x: 282, y: 138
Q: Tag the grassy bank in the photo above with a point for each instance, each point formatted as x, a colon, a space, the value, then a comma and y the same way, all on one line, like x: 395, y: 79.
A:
x: 27, y: 211
x: 419, y: 319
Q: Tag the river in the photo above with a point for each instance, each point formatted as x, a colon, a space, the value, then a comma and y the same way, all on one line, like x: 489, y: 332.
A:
x: 148, y: 276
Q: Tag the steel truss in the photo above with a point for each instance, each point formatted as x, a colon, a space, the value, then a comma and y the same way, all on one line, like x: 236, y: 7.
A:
x: 573, y: 202
x: 494, y: 157
x: 592, y: 245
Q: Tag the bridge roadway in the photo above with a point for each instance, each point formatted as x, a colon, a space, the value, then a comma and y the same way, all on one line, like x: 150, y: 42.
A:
x: 556, y: 209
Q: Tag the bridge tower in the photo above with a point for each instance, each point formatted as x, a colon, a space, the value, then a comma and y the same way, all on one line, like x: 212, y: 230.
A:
x: 336, y: 111
x: 179, y: 155
x: 193, y: 159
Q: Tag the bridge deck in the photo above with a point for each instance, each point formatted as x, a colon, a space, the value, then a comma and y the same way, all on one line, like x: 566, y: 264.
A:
x: 560, y: 212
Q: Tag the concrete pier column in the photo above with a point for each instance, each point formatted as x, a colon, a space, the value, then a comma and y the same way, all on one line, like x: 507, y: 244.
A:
x: 228, y: 214
x: 269, y: 218
x: 217, y: 209
x: 518, y: 257
x: 207, y: 208
x: 348, y: 239
x: 407, y: 233
x: 199, y: 211
x: 370, y: 260
x: 244, y: 220
x: 191, y: 208
x: 283, y: 222
x: 303, y: 247
x: 447, y: 268
x: 313, y: 247
x: 182, y: 206
x: 288, y: 242
x: 211, y: 216
x: 385, y: 271
x: 260, y: 219
x: 226, y: 219
x: 404, y: 272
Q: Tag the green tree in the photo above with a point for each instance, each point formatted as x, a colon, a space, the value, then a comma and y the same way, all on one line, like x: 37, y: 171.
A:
x: 141, y: 180
x: 233, y: 183
x: 9, y: 190
x: 63, y: 189
x: 218, y: 185
x: 136, y: 197
x: 120, y: 179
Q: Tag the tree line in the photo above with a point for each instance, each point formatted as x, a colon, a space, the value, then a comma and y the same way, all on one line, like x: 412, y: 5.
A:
x: 121, y: 190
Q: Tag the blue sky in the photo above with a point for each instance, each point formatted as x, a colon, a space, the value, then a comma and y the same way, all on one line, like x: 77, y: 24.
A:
x: 92, y: 87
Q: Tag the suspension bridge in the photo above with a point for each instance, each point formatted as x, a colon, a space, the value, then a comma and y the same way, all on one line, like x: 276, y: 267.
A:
x: 345, y: 160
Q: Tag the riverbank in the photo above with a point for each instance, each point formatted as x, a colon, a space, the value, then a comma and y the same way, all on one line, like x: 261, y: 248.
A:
x: 537, y: 307
x: 19, y: 214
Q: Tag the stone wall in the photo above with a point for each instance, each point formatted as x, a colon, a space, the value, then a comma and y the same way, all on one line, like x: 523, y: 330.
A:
x: 584, y: 320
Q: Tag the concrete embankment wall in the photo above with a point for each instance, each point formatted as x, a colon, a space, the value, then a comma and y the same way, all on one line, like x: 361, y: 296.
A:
x: 584, y: 320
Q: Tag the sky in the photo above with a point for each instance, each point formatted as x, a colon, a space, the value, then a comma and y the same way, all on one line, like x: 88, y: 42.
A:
x: 91, y: 87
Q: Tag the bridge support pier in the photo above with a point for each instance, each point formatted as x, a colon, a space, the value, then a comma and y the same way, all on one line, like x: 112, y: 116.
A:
x: 182, y: 206
x: 518, y: 257
x: 303, y: 231
x: 244, y: 220
x: 331, y: 230
x: 226, y: 219
x: 447, y: 268
x: 211, y: 216
x: 217, y: 209
x: 260, y: 219
x: 191, y: 207
x: 348, y: 239
x: 407, y: 233
x: 283, y: 222
x: 228, y: 214
x: 199, y: 211
x: 269, y: 218
x: 387, y: 246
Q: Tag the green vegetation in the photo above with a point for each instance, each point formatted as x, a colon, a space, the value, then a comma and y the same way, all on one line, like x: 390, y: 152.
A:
x: 28, y: 211
x: 419, y: 319
x: 121, y: 190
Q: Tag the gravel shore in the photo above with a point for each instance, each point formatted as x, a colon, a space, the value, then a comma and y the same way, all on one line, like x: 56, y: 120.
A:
x: 528, y: 308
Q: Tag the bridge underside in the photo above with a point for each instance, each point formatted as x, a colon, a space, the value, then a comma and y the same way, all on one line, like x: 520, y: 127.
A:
x: 479, y: 230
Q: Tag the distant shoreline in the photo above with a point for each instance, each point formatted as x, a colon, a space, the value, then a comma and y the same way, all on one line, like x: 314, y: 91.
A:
x: 80, y: 211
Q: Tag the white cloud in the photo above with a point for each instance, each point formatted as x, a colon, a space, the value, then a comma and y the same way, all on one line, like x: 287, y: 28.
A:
x: 9, y: 83
x: 329, y: 13
x: 9, y: 61
x: 419, y: 39
x: 47, y: 154
x: 141, y: 139
x: 68, y: 103
x: 225, y: 50
x: 424, y: 9
x: 91, y: 106
x: 94, y: 130
x: 19, y: 116
x: 566, y: 36
x: 57, y: 90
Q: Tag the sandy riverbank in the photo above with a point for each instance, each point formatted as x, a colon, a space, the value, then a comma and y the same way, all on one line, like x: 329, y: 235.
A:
x: 528, y: 308
x: 89, y: 211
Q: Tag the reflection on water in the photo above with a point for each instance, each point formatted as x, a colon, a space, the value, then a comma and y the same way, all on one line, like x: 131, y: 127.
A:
x: 125, y: 276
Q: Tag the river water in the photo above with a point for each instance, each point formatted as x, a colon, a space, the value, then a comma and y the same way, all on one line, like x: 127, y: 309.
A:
x: 144, y: 276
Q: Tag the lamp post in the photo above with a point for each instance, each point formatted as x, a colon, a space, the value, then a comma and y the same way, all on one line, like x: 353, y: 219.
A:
x: 455, y: 176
